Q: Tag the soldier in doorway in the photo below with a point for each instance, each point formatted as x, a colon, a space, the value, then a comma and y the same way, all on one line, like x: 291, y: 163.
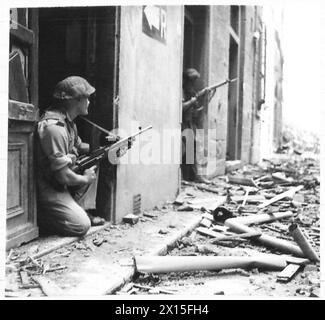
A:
x: 192, y: 107
x: 63, y: 195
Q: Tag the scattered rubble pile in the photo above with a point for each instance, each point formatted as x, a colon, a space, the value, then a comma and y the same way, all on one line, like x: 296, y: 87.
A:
x: 297, y: 140
x: 259, y: 235
x: 260, y: 220
x: 30, y: 271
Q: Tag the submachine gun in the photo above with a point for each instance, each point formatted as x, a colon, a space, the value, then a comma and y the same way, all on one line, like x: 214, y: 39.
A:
x: 115, y: 149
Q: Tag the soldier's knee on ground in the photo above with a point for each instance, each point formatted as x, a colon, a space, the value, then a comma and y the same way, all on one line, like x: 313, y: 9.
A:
x: 80, y: 228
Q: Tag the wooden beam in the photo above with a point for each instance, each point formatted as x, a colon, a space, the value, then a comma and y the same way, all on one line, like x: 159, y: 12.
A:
x: 288, y: 272
x: 280, y: 196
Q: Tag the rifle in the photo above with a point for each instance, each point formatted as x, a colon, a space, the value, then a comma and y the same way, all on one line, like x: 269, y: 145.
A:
x: 213, y: 87
x: 88, y: 161
x: 205, y: 91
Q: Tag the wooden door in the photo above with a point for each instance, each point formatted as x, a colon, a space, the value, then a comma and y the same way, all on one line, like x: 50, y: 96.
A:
x: 22, y: 116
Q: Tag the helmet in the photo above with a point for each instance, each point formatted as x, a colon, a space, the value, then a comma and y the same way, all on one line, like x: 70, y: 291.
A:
x: 191, y: 74
x: 73, y: 87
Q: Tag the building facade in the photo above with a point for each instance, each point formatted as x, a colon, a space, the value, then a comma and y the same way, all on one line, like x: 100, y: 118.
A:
x: 135, y: 57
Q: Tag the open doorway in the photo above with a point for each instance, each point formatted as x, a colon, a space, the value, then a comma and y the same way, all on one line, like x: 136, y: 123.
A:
x: 196, y: 55
x: 82, y: 41
x: 235, y: 70
x: 196, y: 40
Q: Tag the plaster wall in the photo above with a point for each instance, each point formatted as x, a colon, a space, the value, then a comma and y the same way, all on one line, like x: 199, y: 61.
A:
x: 218, y: 67
x: 149, y: 94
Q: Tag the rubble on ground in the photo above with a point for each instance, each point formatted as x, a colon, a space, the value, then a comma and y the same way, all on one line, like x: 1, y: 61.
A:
x: 282, y: 186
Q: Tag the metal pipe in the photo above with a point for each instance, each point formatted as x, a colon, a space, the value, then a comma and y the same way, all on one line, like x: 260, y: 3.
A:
x: 303, y: 242
x: 163, y: 264
x: 261, y: 218
x: 239, y: 225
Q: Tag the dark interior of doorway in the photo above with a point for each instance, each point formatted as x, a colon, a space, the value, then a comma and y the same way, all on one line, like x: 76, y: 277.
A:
x: 195, y: 49
x: 196, y: 55
x: 235, y: 94
x: 81, y: 41
x: 232, y: 101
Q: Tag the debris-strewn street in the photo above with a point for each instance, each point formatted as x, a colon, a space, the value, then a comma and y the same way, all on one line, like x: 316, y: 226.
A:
x: 257, y: 234
x: 278, y: 188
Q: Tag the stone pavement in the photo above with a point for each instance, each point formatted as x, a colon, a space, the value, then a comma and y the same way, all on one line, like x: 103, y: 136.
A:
x: 101, y: 262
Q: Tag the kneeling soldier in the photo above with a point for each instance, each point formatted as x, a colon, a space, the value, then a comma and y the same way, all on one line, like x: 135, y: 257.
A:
x: 63, y: 195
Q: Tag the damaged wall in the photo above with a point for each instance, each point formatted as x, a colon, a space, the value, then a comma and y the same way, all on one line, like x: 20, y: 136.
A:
x: 150, y: 94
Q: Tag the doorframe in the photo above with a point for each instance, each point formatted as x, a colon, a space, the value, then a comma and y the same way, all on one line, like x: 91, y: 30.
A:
x: 33, y: 70
x: 239, y: 39
x: 111, y: 212
x: 116, y: 87
x: 241, y: 65
x: 25, y: 36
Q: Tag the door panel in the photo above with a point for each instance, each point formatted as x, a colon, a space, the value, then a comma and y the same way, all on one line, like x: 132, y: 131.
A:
x: 17, y: 178
x: 22, y: 117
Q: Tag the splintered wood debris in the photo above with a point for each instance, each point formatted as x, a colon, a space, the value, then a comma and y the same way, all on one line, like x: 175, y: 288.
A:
x: 250, y: 208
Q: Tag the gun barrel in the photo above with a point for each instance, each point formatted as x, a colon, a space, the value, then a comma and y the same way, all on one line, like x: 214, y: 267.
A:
x: 215, y: 86
x: 221, y: 84
x: 142, y: 130
x: 134, y: 134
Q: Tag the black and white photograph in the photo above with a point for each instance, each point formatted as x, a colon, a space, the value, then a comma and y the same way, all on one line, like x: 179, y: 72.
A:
x: 157, y: 151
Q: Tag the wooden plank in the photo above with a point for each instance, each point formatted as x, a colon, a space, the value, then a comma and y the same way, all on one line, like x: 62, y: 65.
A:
x: 237, y: 237
x: 206, y: 222
x: 288, y: 272
x: 200, y: 201
x: 220, y: 228
x: 252, y: 198
x: 241, y: 180
x: 209, y: 205
x: 208, y: 216
x: 24, y: 278
x: 280, y: 196
x: 207, y: 232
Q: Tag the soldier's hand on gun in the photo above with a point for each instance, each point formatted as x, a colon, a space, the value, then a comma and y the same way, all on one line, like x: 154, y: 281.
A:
x: 193, y: 100
x: 90, y: 174
x: 73, y: 158
x: 130, y: 142
x: 122, y: 151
